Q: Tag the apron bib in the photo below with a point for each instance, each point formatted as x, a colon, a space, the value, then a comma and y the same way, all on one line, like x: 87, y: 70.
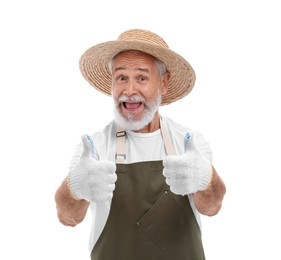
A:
x: 147, y: 221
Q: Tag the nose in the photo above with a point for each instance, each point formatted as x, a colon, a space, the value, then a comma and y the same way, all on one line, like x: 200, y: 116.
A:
x: 130, y: 88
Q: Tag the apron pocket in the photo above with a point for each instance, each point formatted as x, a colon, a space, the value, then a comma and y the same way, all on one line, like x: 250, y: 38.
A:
x: 164, y: 222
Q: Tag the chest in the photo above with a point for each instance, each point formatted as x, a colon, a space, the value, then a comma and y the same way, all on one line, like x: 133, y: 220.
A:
x: 145, y: 149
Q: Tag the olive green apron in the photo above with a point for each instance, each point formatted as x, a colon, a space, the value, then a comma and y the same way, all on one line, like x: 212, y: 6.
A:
x: 147, y: 221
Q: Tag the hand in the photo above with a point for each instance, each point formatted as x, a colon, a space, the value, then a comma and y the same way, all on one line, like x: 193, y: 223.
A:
x: 187, y: 173
x: 90, y: 179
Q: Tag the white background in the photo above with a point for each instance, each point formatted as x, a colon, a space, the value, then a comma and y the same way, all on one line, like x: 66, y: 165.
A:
x: 46, y: 105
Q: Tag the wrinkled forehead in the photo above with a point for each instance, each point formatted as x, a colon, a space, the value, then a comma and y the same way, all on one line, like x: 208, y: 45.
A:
x: 140, y: 56
x: 134, y: 59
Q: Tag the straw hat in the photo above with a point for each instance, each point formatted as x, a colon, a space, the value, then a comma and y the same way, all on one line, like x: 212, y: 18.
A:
x: 94, y: 62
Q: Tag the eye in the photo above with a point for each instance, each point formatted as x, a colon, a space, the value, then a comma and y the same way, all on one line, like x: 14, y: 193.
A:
x: 142, y: 78
x: 121, y: 78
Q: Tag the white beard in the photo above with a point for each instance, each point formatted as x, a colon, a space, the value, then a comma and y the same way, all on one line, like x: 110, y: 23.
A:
x: 129, y: 123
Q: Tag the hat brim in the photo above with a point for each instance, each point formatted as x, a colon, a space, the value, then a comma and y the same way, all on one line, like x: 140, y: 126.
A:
x: 94, y: 67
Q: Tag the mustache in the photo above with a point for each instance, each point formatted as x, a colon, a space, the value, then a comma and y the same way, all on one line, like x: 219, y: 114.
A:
x: 125, y: 98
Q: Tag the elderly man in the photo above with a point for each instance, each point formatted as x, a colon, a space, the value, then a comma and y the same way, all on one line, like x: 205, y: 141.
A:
x: 146, y: 177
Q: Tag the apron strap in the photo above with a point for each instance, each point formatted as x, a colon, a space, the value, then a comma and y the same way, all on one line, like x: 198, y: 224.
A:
x: 120, y: 155
x: 167, y: 139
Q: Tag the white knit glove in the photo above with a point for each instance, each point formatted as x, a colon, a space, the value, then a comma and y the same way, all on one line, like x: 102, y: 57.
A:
x: 91, y: 179
x: 187, y: 173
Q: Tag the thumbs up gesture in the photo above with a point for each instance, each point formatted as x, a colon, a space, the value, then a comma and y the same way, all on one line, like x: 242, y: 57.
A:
x: 91, y: 179
x: 187, y: 173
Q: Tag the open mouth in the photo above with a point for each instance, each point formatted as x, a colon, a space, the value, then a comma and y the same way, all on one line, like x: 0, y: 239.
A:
x: 132, y: 105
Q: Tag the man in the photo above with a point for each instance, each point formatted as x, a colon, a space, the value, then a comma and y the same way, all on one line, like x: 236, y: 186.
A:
x: 146, y: 178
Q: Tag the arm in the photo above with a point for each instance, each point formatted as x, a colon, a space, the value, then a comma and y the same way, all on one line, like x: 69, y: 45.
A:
x: 88, y: 180
x: 208, y: 202
x: 193, y: 173
x: 70, y: 211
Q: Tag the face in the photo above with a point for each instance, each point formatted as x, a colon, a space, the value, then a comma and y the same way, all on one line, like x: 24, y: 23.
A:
x: 137, y: 88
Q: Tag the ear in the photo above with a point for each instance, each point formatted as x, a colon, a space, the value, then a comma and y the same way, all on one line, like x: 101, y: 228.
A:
x: 165, y: 83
